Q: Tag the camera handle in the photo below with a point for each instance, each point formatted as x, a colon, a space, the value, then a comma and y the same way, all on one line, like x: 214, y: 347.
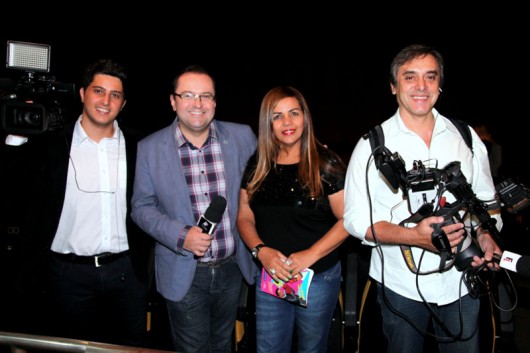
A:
x: 425, y: 210
x: 439, y: 238
x: 441, y: 242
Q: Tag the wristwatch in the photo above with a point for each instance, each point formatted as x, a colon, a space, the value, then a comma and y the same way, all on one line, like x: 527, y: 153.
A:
x: 255, y: 251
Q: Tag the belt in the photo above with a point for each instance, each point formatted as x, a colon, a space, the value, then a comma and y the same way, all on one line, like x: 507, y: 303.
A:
x: 215, y: 263
x: 96, y: 260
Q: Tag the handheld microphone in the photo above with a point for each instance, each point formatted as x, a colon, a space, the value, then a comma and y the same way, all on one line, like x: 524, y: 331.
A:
x: 516, y: 263
x: 213, y: 215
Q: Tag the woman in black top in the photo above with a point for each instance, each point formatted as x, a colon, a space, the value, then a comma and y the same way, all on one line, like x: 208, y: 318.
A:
x: 290, y: 215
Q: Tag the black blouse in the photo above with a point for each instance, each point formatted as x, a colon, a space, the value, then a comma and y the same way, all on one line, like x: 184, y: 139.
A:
x: 287, y: 218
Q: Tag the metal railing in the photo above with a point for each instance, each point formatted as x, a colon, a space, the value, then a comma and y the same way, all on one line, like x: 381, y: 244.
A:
x: 21, y: 343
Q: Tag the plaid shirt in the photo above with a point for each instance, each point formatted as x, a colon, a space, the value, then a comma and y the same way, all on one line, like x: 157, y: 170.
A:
x: 204, y: 172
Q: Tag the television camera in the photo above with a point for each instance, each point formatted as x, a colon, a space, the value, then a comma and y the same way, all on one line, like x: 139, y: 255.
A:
x: 32, y: 104
x: 424, y: 188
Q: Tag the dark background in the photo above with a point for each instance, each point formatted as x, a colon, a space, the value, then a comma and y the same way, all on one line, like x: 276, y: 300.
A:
x: 337, y: 54
x: 340, y: 64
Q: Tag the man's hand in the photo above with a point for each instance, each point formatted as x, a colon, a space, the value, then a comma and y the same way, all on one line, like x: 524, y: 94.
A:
x: 489, y: 247
x: 454, y: 232
x: 197, y: 242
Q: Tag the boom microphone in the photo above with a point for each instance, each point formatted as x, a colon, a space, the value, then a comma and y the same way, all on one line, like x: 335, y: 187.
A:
x: 516, y: 263
x: 213, y: 215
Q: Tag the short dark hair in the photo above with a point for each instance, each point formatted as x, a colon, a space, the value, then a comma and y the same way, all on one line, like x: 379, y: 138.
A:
x: 105, y: 67
x: 412, y: 52
x: 195, y: 69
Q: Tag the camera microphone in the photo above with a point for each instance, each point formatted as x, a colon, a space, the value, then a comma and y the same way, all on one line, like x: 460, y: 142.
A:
x: 516, y: 263
x: 213, y: 215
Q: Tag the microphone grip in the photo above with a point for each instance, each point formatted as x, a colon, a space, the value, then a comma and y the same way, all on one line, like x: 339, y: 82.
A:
x: 516, y: 263
x: 509, y: 260
x: 207, y: 226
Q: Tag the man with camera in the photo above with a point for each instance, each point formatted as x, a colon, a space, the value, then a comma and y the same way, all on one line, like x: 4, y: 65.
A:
x: 411, y: 298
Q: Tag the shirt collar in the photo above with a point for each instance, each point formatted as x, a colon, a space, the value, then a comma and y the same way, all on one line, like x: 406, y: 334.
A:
x: 80, y: 135
x: 182, y: 140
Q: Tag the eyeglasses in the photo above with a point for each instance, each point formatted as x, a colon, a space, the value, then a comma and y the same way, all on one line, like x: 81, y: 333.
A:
x: 188, y: 96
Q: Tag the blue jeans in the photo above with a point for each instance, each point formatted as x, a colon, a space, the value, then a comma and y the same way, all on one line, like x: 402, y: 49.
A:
x: 204, y: 320
x: 403, y: 337
x: 276, y: 318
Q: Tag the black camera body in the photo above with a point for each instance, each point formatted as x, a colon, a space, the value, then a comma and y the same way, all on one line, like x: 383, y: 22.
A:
x: 514, y: 197
x: 34, y: 105
x: 465, y: 251
x: 425, y: 187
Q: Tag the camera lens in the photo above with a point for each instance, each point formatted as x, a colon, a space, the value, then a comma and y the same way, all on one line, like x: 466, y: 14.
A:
x: 28, y: 118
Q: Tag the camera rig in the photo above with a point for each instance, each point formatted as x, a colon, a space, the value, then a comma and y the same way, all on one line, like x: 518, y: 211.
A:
x: 424, y: 188
x: 31, y: 104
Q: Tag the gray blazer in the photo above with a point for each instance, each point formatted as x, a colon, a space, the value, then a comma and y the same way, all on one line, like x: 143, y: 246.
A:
x: 161, y: 204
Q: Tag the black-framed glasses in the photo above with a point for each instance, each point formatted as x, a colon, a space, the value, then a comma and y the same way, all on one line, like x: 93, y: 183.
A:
x: 188, y: 96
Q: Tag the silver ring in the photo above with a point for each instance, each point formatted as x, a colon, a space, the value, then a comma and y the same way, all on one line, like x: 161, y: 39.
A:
x: 288, y: 262
x: 272, y: 271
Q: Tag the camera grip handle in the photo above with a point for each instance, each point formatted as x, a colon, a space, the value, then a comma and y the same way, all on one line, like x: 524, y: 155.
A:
x: 439, y: 238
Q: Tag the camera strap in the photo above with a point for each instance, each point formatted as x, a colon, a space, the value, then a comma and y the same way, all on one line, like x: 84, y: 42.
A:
x: 424, y: 211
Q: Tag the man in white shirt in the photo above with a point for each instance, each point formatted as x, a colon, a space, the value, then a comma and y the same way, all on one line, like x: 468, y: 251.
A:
x: 99, y: 259
x: 411, y: 297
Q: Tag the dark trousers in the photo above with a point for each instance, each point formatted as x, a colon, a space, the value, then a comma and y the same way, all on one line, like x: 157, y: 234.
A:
x: 101, y: 304
x: 406, y: 332
x: 204, y: 320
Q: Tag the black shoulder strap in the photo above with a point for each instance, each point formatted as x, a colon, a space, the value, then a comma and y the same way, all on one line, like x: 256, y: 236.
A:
x: 463, y: 128
x: 376, y: 136
x: 377, y: 139
x: 391, y: 168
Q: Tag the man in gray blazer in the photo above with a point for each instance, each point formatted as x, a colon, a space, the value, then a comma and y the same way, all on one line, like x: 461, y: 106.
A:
x: 179, y: 170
